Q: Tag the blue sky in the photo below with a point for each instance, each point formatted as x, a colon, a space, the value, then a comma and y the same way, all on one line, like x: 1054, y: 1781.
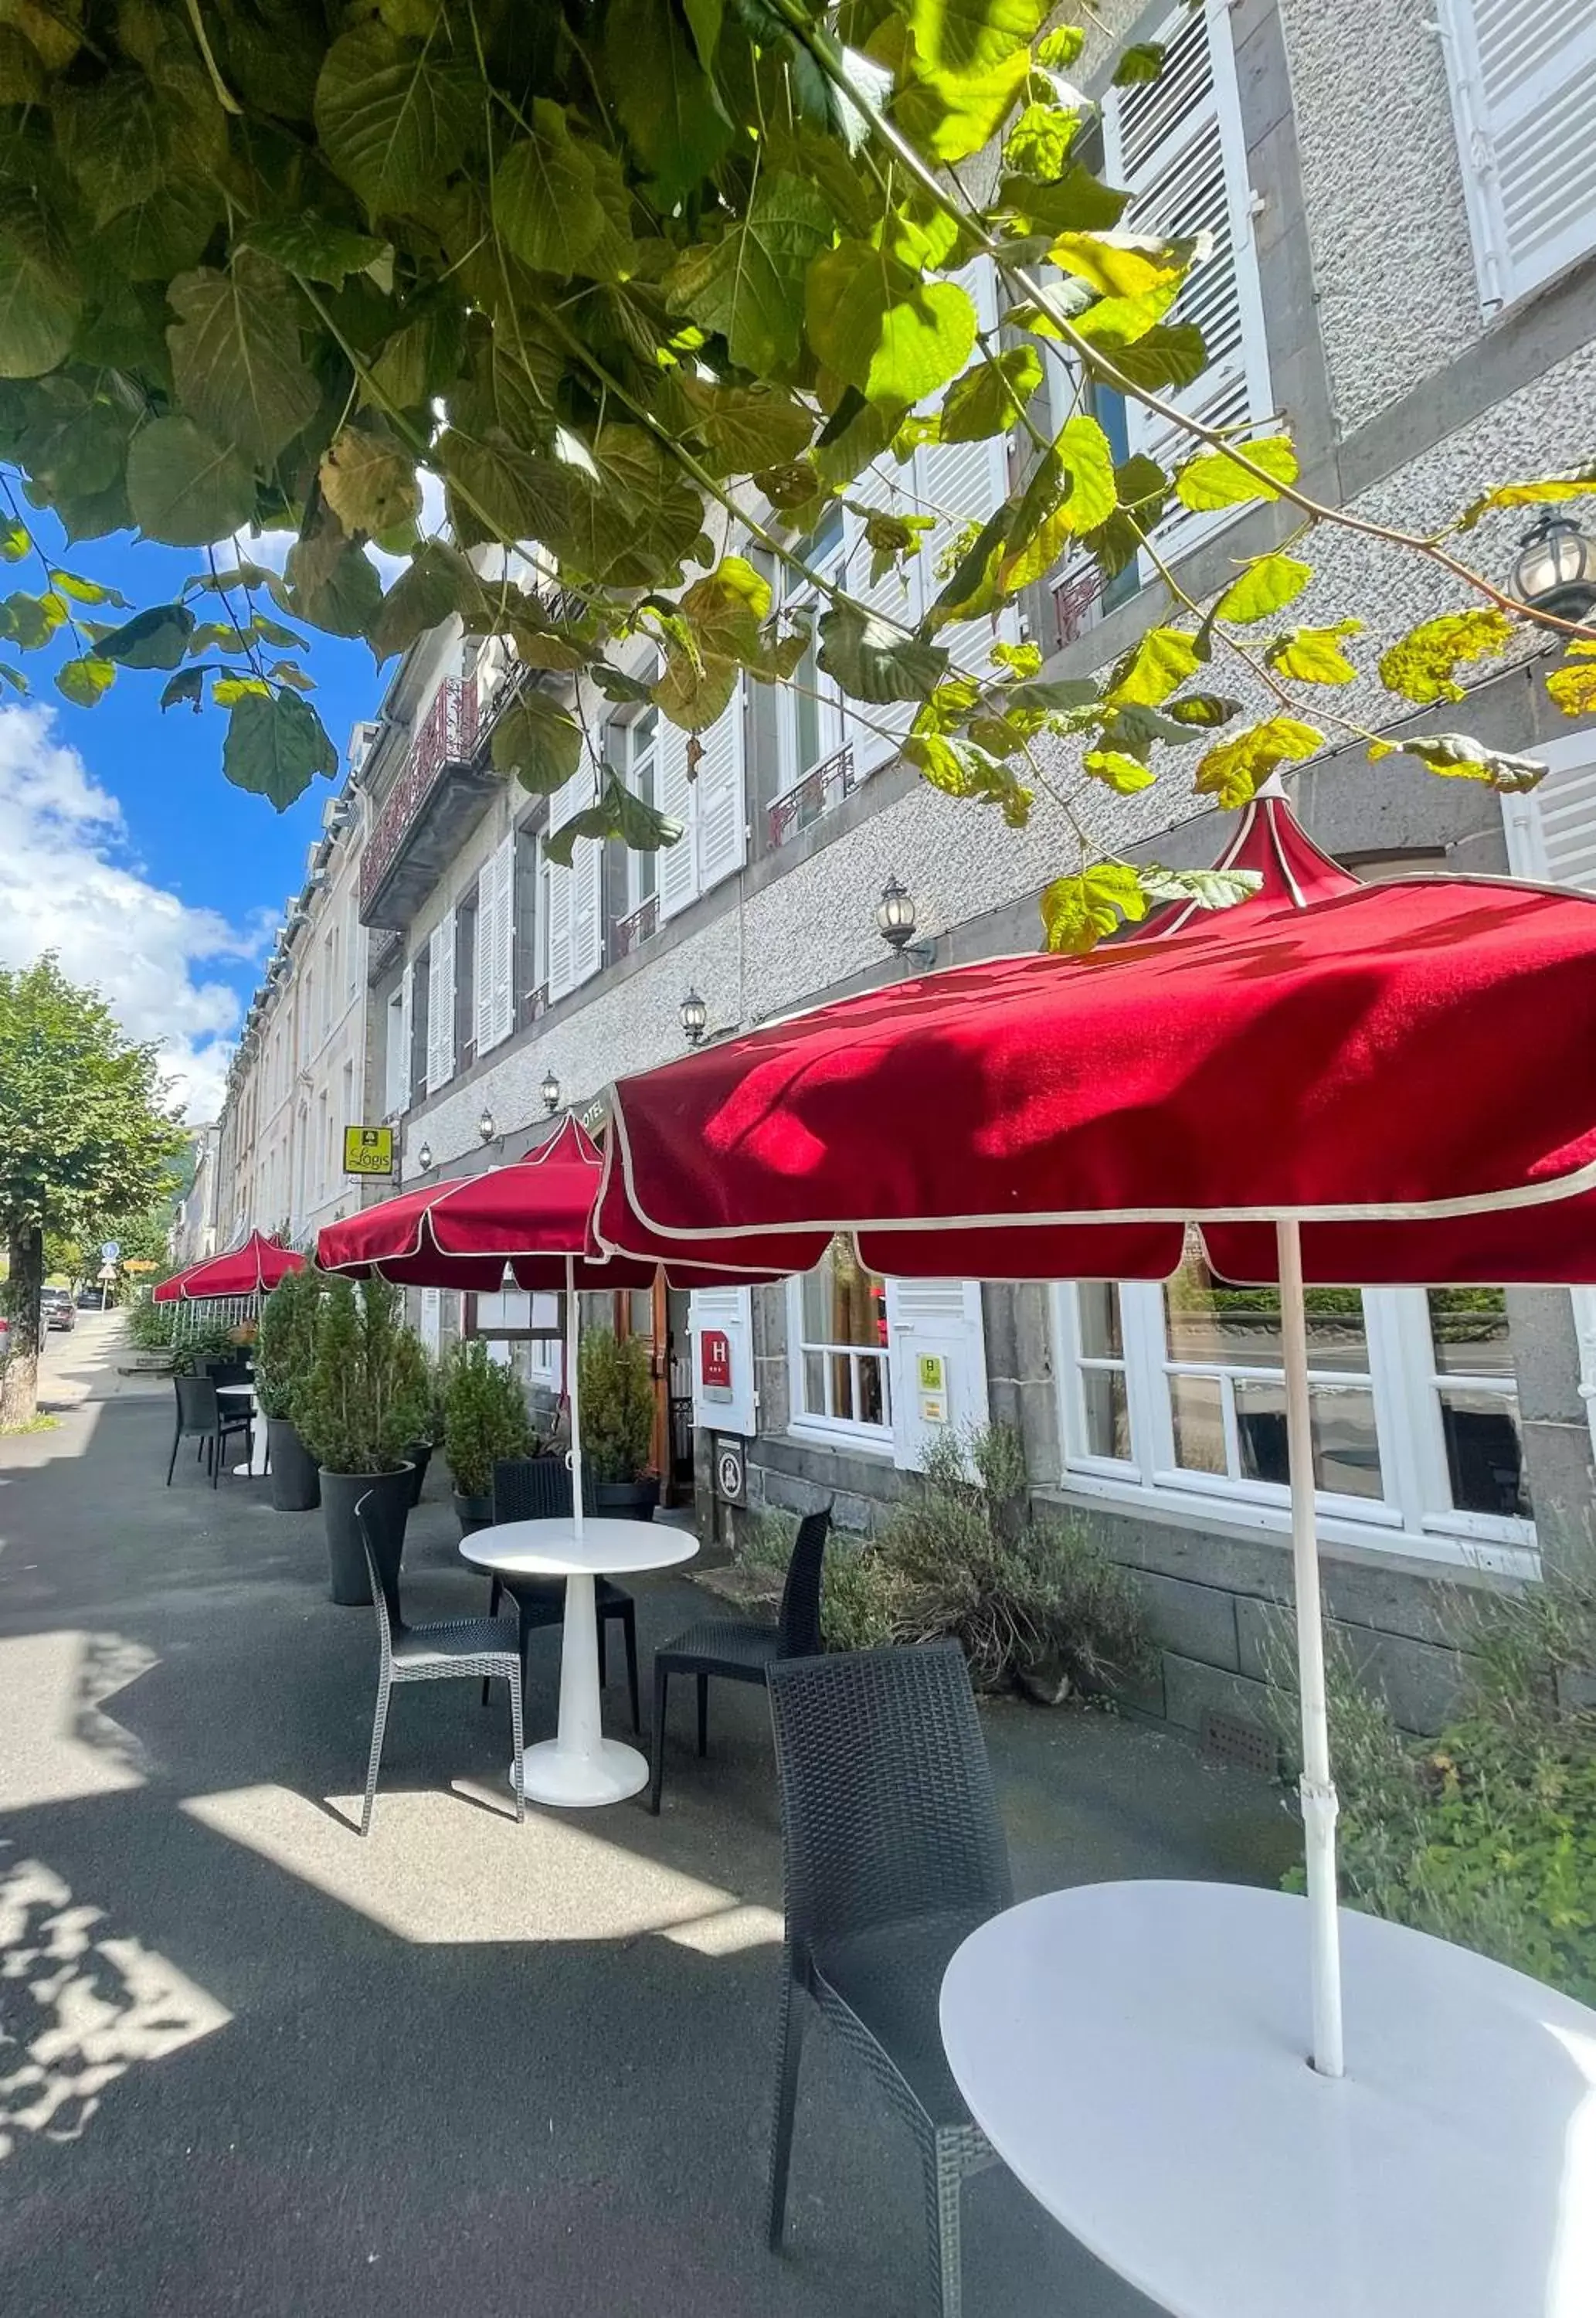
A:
x: 122, y: 845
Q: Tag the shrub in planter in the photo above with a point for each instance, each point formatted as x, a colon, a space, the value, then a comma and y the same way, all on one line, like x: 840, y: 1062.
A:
x: 617, y: 1413
x: 362, y: 1401
x: 284, y: 1349
x: 484, y: 1419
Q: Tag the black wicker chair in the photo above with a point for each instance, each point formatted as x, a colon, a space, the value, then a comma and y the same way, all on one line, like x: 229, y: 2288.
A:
x: 740, y: 1649
x: 538, y: 1488
x: 201, y: 1417
x: 892, y: 1853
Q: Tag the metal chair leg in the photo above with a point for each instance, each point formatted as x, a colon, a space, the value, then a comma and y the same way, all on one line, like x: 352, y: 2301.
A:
x: 789, y: 2050
x: 628, y: 1634
x: 215, y: 1458
x: 172, y: 1460
x: 657, y: 1779
x: 493, y: 1600
x: 944, y: 2186
x: 704, y: 1714
x: 518, y: 1750
x: 378, y: 1728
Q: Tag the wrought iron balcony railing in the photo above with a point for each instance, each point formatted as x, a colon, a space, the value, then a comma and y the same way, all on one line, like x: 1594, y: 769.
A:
x: 1074, y: 599
x: 447, y: 735
x: 630, y: 933
x: 818, y: 792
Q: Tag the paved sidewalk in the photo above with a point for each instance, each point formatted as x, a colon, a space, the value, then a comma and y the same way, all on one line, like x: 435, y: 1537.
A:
x: 257, y: 2066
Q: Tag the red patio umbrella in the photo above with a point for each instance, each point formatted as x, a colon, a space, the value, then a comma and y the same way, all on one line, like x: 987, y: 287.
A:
x: 253, y: 1269
x: 1343, y: 1084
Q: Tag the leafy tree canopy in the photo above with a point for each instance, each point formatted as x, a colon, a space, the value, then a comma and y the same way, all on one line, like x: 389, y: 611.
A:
x: 613, y: 270
x: 83, y: 1132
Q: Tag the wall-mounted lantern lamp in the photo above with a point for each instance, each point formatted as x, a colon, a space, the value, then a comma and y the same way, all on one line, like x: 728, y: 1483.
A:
x: 485, y: 1127
x: 895, y: 923
x: 423, y: 1157
x: 1556, y: 568
x: 694, y: 1016
x: 551, y: 1092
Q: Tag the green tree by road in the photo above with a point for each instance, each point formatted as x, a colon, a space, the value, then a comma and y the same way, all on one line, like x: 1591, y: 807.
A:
x: 83, y: 1132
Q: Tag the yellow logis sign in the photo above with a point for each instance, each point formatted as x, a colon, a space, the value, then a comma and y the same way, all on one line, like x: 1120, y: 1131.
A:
x: 368, y: 1151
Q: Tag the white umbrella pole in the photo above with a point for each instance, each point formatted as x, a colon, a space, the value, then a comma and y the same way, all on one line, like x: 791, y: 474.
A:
x: 1317, y: 1788
x: 573, y: 1393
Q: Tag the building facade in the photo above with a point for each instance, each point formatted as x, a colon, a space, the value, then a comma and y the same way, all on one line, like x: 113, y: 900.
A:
x: 1403, y: 266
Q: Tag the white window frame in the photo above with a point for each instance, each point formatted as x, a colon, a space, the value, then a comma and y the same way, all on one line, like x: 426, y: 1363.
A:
x: 1415, y: 1516
x: 629, y: 760
x: 834, y: 1432
x: 801, y: 596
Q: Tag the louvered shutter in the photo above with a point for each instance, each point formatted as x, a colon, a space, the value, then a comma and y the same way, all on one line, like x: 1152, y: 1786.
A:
x: 1177, y: 144
x: 728, y: 1406
x: 1523, y: 78
x: 440, y: 1004
x: 1551, y: 830
x: 937, y: 1346
x: 884, y: 484
x: 960, y: 483
x: 558, y: 886
x: 432, y: 1321
x: 496, y: 947
x: 718, y: 808
x: 398, y: 1089
x: 585, y: 876
x: 677, y: 797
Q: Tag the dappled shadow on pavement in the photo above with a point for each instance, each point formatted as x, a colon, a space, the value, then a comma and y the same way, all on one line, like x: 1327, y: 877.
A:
x: 258, y: 2065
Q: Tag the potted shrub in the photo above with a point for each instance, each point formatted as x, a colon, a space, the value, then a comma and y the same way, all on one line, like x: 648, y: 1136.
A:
x: 284, y: 1348
x: 484, y: 1419
x: 364, y: 1399
x: 419, y: 1383
x: 617, y: 1419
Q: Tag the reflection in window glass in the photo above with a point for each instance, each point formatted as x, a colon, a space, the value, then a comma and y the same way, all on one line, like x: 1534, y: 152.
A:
x: 1107, y: 1413
x: 1479, y: 1400
x: 843, y: 1363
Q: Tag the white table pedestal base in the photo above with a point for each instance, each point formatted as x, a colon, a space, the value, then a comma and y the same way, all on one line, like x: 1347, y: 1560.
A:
x: 581, y: 1766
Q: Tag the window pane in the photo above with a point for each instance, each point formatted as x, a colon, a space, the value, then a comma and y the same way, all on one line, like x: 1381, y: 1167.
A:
x: 1097, y: 1301
x: 806, y: 716
x: 640, y: 1317
x: 1197, y: 1405
x: 842, y: 1385
x: 844, y: 1304
x: 1468, y: 1328
x: 1239, y: 1327
x: 873, y: 1391
x: 1484, y: 1453
x: 1346, y: 1446
x: 1261, y: 1432
x: 814, y: 1384
x: 1107, y: 1415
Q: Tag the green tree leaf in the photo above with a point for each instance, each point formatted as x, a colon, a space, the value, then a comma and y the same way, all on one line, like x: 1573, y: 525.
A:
x: 235, y: 356
x: 748, y: 287
x: 1204, y: 710
x: 1154, y: 668
x: 539, y: 743
x: 1166, y: 354
x: 1124, y: 775
x: 276, y: 745
x: 1074, y: 202
x: 82, y: 680
x: 1058, y: 49
x: 695, y: 692
x: 1422, y: 665
x: 157, y: 637
x: 727, y: 610
x: 1118, y: 264
x: 40, y: 294
x: 1545, y: 490
x: 1214, y: 479
x: 31, y: 621
x: 1078, y: 912
x: 989, y: 398
x: 188, y: 684
x: 667, y: 104
x: 1143, y: 60
x: 1314, y: 655
x: 748, y: 428
x: 332, y: 583
x: 544, y: 201
x: 963, y: 36
x: 876, y: 325
x: 437, y: 583
x: 394, y: 118
x: 370, y: 481
x: 874, y: 660
x: 1233, y: 770
x: 1264, y: 588
x: 314, y: 247
x: 1573, y: 685
x: 1209, y: 889
x: 1458, y: 756
x: 1084, y: 470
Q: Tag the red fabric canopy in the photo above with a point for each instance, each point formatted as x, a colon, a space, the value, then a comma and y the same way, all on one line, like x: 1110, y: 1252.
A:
x: 1408, y: 1069
x: 251, y: 1270
x: 531, y: 1215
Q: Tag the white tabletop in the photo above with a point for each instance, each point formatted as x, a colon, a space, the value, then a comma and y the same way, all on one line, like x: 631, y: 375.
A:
x: 548, y: 1549
x: 248, y: 1389
x: 1136, y: 2053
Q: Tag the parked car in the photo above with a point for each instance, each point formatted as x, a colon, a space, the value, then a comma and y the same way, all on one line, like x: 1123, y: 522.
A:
x: 56, y: 1307
x: 89, y: 1299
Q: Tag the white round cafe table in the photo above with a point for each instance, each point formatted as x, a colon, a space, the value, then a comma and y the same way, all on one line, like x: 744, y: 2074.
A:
x: 257, y: 1438
x: 1136, y: 2053
x: 580, y: 1766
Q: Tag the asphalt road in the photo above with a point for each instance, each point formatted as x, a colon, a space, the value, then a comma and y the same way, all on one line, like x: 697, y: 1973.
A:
x: 250, y: 2064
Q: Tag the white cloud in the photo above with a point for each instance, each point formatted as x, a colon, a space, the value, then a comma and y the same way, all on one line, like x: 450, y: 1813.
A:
x: 67, y: 884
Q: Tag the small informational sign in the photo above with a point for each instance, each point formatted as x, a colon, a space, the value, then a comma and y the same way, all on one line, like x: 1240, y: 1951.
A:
x: 931, y: 1374
x: 368, y: 1151
x: 141, y: 1263
x: 731, y: 1474
x: 109, y: 1249
x: 714, y: 1365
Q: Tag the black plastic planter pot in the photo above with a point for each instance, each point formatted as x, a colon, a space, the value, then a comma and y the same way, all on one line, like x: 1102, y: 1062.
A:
x: 296, y: 1486
x: 419, y: 1453
x: 386, y: 1515
x: 625, y: 1500
x: 472, y: 1513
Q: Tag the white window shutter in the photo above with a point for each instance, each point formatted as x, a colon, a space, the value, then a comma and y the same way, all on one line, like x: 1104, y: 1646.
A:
x: 884, y: 484
x: 1551, y: 830
x: 496, y: 947
x: 720, y: 1325
x: 719, y: 807
x: 559, y: 884
x: 1177, y: 144
x: 432, y: 1321
x: 677, y: 797
x: 938, y: 1349
x: 586, y: 909
x: 400, y: 1019
x: 1523, y: 80
x: 961, y: 483
x: 440, y: 1004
